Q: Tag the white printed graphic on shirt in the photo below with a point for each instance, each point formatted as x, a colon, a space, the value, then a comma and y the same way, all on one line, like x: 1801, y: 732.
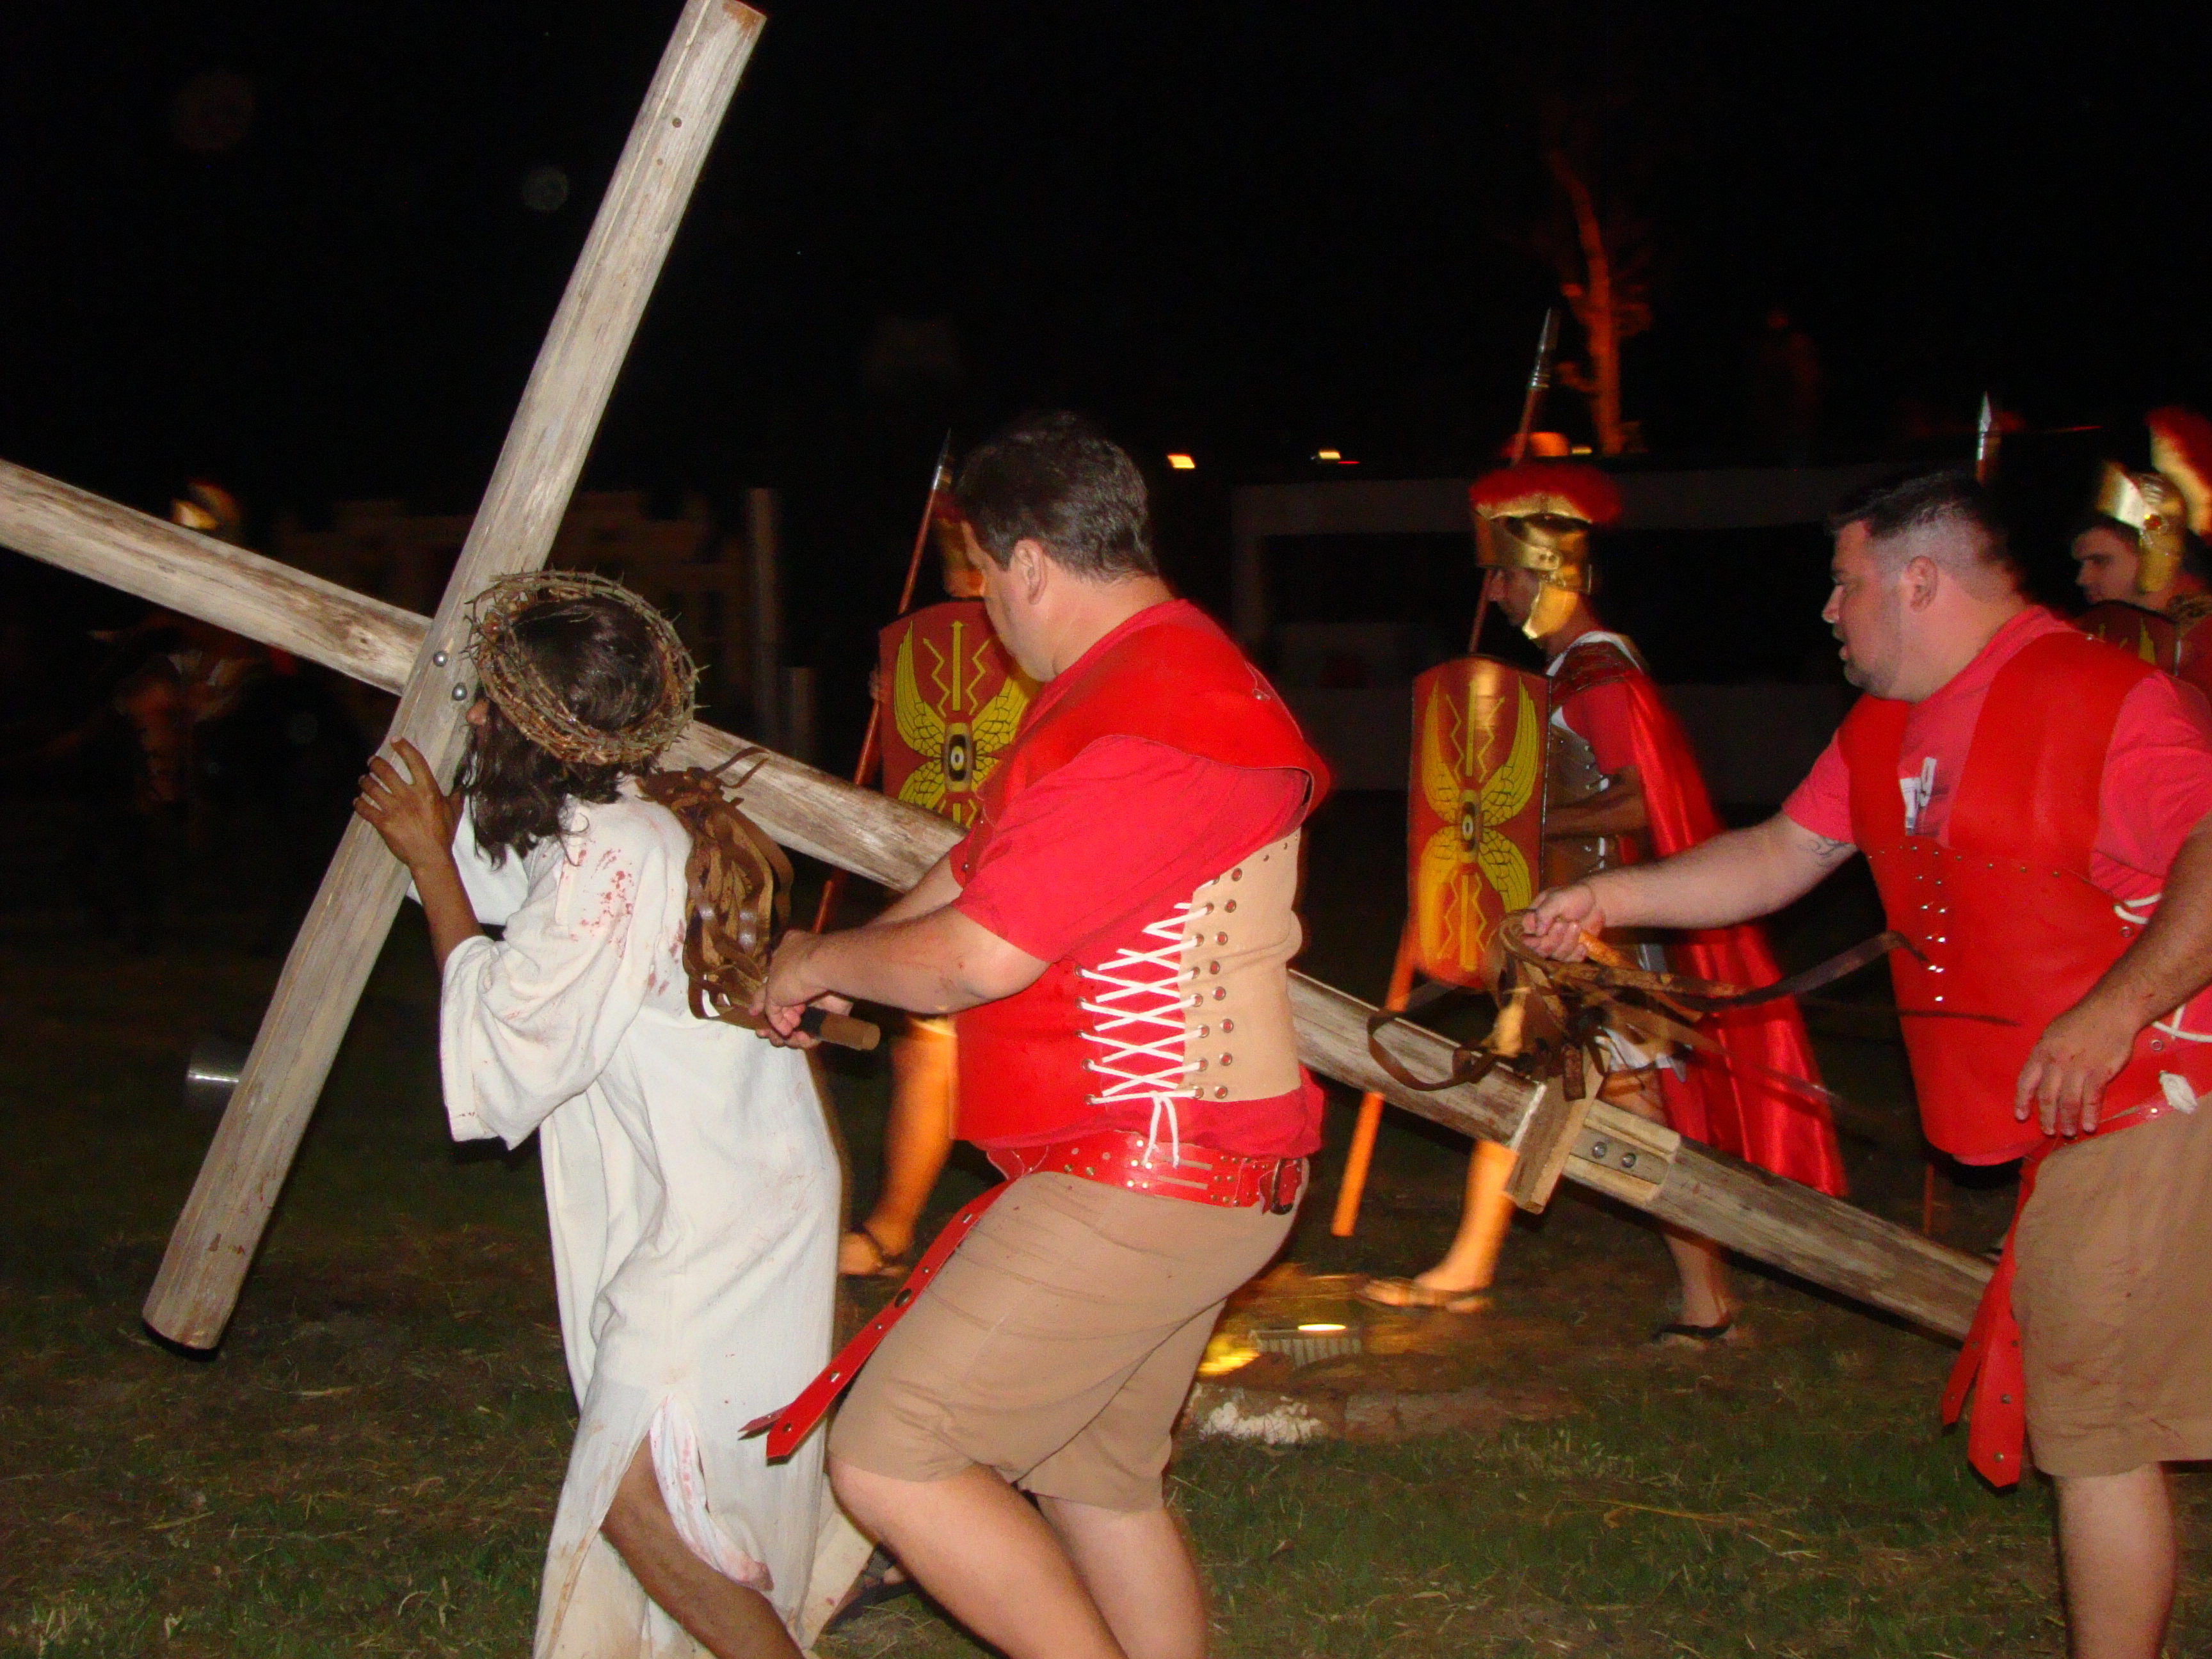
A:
x: 1918, y: 791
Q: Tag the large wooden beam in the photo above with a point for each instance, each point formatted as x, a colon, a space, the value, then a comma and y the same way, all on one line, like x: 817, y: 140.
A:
x: 1816, y: 1237
x: 552, y: 432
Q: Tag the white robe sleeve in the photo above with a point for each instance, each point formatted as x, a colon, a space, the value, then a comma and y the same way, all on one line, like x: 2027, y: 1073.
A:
x: 530, y: 1022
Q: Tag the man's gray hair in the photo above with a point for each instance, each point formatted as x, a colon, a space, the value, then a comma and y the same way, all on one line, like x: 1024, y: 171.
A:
x: 1897, y: 510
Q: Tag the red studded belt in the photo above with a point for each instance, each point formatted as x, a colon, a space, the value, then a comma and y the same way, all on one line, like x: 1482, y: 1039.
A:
x: 1202, y: 1175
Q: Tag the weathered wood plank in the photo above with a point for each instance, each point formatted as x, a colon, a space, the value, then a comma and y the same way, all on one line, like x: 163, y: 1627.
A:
x: 574, y: 376
x: 1828, y: 1242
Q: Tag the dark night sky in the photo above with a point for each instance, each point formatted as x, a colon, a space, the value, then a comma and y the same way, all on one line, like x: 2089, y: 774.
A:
x: 1243, y: 229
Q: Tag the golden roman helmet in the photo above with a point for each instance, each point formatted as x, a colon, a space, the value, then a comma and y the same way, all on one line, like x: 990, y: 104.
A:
x: 2173, y: 496
x: 211, y: 510
x: 1538, y: 516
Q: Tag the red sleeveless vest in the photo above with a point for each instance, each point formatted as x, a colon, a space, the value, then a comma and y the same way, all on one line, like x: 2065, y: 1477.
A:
x: 2005, y: 914
x: 1170, y: 675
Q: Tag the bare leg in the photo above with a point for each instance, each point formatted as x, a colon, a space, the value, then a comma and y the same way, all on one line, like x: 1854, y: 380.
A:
x: 990, y: 1559
x: 730, y: 1620
x: 1707, y: 1299
x: 1472, y: 1261
x: 1137, y: 1566
x: 917, y: 1139
x: 2117, y: 1557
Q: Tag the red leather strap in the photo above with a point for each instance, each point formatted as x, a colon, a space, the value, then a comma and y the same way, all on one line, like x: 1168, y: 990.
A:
x: 1989, y: 1366
x: 787, y: 1427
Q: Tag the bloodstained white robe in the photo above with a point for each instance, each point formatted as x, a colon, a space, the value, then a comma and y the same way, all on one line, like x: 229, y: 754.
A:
x: 692, y: 1188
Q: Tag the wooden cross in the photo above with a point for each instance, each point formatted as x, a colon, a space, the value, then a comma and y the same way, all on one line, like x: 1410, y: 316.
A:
x: 552, y: 431
x: 1792, y: 1227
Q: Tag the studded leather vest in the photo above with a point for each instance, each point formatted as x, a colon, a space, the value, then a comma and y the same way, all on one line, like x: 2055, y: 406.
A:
x: 2011, y: 931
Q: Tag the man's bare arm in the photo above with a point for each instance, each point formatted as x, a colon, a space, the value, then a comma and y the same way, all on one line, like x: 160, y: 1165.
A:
x: 936, y: 889
x: 2084, y: 1048
x: 937, y: 963
x: 1617, y: 810
x: 1737, y: 875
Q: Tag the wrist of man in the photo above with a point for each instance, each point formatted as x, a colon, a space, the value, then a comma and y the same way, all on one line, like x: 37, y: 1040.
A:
x: 1605, y: 890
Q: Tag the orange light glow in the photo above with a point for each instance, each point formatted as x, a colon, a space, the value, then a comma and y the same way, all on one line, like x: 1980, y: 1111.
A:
x: 1181, y: 464
x: 1328, y: 455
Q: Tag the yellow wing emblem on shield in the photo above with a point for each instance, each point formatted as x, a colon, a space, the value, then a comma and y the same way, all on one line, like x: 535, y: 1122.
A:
x: 1469, y: 852
x: 996, y: 723
x: 921, y: 727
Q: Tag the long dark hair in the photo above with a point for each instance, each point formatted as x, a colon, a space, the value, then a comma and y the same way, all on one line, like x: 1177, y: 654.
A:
x: 600, y: 659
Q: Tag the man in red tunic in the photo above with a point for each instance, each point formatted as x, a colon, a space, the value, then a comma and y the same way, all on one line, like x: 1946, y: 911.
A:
x: 1621, y: 782
x: 1113, y: 937
x: 2025, y: 795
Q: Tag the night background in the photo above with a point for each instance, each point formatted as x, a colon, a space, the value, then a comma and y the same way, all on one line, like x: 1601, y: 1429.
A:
x: 309, y: 250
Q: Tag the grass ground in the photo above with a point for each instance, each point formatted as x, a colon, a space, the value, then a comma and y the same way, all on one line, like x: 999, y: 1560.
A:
x: 370, y: 1462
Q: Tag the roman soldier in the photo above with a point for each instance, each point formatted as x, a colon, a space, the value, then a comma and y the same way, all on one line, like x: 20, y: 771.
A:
x: 2140, y: 557
x: 953, y: 698
x: 1622, y: 785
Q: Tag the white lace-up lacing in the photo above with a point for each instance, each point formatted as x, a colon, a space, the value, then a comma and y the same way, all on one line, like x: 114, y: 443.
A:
x: 1141, y: 1024
x: 2136, y: 913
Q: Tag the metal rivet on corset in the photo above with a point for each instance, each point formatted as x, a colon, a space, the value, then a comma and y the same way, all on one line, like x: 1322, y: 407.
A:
x: 1221, y: 1092
x: 1205, y: 1031
x: 1201, y: 1064
x: 1225, y: 1059
x: 438, y: 657
x: 1221, y: 939
x: 1220, y: 992
x: 1196, y: 997
x: 460, y: 694
x: 1237, y: 874
x: 1191, y: 974
x: 1227, y: 1026
x: 1229, y: 907
x: 1213, y: 966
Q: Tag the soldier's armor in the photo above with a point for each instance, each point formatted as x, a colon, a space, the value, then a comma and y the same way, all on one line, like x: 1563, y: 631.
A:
x: 1571, y: 774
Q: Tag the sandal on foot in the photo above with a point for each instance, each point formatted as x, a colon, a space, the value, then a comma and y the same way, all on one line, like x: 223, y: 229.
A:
x: 1680, y: 1335
x: 882, y: 1580
x: 882, y: 1263
x: 1411, y: 1296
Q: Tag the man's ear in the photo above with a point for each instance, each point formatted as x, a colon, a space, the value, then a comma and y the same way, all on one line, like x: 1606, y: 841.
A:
x: 1028, y: 567
x: 1919, y: 578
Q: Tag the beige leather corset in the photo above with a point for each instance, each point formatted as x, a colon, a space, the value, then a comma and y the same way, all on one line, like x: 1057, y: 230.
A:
x: 1238, y: 1040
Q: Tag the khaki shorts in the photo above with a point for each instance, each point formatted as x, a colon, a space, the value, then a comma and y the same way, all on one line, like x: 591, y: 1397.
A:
x: 1058, y: 1344
x: 2114, y: 1299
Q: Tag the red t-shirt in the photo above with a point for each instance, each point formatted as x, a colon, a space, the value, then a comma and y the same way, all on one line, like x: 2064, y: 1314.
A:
x: 1095, y: 851
x: 2157, y: 782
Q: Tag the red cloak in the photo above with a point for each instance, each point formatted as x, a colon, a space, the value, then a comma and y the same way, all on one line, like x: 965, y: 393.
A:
x: 1733, y: 1101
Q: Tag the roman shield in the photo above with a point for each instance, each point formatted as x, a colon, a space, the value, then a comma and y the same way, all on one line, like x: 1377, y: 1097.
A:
x: 1476, y: 822
x: 2143, y: 633
x: 955, y: 698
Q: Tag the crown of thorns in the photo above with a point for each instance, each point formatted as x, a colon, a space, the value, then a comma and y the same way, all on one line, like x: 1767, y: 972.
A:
x: 512, y: 681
